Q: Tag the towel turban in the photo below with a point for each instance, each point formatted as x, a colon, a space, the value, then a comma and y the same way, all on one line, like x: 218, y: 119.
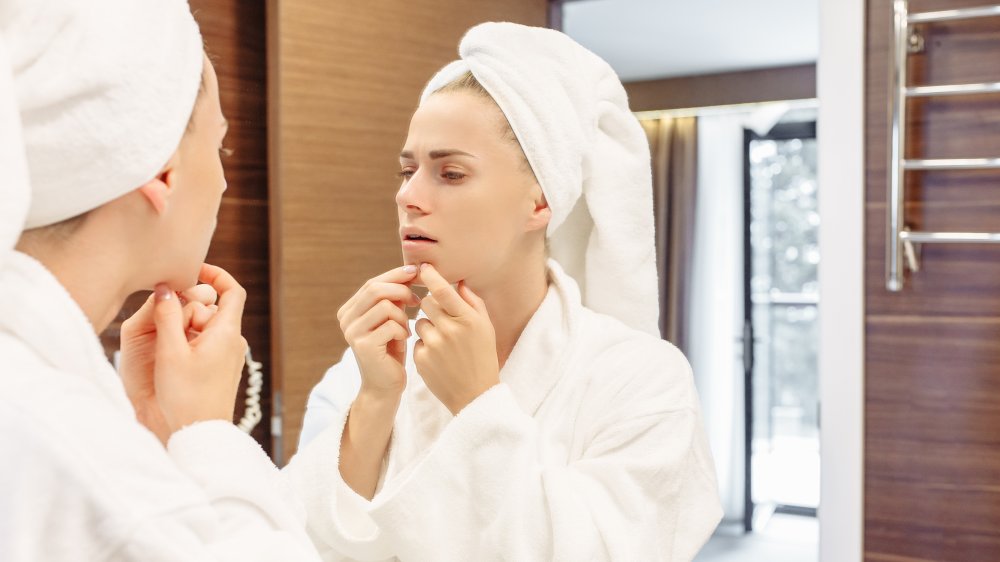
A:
x: 103, y: 91
x: 570, y: 114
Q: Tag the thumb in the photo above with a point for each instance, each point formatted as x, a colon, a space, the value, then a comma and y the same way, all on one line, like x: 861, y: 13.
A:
x: 141, y: 322
x: 469, y: 296
x: 169, y: 318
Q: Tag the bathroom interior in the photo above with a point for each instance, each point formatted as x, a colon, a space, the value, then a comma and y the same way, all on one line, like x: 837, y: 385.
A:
x: 824, y: 176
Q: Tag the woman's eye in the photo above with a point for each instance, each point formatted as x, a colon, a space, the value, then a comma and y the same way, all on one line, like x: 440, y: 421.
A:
x: 453, y: 176
x: 406, y: 174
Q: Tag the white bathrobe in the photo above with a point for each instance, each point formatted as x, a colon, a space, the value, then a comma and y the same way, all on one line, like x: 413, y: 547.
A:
x: 82, y: 480
x: 590, y: 448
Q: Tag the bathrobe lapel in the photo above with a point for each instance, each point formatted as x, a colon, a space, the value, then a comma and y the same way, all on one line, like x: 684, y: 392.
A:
x: 542, y: 353
x: 36, y: 309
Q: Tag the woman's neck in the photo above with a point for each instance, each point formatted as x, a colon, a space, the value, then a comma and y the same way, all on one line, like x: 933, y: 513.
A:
x: 93, y: 278
x: 512, y: 302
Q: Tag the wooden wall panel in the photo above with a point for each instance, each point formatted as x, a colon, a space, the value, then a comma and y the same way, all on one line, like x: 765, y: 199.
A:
x: 345, y: 78
x: 234, y: 33
x: 727, y: 88
x: 933, y: 449
x: 932, y: 445
x: 954, y: 281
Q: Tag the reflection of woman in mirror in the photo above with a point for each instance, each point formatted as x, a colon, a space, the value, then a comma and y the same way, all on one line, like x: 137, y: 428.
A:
x: 531, y: 412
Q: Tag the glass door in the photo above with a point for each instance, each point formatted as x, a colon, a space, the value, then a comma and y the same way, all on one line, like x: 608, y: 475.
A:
x: 782, y: 308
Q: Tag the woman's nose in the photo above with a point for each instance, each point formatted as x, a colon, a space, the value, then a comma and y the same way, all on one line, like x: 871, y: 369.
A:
x: 412, y: 196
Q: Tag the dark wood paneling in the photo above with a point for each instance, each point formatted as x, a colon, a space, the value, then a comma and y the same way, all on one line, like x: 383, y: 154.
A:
x: 751, y: 86
x: 932, y: 368
x: 345, y: 78
x: 933, y: 449
x: 959, y: 280
x: 954, y: 127
x: 234, y: 38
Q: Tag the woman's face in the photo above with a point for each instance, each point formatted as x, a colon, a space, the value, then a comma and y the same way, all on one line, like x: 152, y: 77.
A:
x: 196, y: 183
x: 467, y: 203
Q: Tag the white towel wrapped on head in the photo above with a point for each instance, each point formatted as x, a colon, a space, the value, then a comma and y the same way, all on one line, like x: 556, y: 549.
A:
x: 103, y: 108
x: 570, y: 114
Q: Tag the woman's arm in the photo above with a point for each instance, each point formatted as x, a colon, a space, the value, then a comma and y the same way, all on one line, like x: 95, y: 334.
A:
x: 376, y: 327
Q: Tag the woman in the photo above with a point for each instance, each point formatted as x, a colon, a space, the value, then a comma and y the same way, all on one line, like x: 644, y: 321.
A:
x: 531, y: 412
x: 110, y: 111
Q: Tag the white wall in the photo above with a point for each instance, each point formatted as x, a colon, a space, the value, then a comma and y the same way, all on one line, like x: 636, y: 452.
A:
x: 840, y: 76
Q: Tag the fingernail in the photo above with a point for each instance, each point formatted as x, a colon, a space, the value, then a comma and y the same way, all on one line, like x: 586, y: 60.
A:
x: 163, y: 293
x: 409, y: 269
x: 423, y: 265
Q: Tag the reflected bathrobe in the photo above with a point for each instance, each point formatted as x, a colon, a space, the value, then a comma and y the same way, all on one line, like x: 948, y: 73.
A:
x: 82, y: 480
x: 590, y: 448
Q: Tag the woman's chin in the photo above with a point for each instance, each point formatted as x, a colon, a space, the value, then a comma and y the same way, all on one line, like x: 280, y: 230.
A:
x: 451, y: 274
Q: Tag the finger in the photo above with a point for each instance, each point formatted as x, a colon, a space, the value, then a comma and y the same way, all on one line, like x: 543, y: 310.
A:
x: 397, y: 276
x: 414, y: 299
x: 423, y: 328
x: 401, y: 274
x: 389, y: 331
x: 187, y: 312
x: 232, y: 295
x: 196, y: 316
x: 442, y: 291
x: 192, y: 335
x: 203, y: 293
x: 433, y: 309
x: 200, y: 317
x: 418, y: 352
x: 142, y: 321
x: 380, y: 313
x: 474, y: 300
x: 169, y: 319
x: 374, y: 293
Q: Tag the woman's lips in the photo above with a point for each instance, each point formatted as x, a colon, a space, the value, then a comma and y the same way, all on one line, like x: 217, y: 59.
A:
x: 415, y: 244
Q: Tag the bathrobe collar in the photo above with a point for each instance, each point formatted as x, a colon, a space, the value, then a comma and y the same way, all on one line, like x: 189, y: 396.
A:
x: 538, y: 359
x: 36, y: 309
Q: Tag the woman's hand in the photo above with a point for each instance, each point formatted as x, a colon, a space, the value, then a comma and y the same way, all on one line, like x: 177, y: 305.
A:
x: 186, y: 365
x: 456, y: 354
x: 376, y: 327
x: 138, y: 352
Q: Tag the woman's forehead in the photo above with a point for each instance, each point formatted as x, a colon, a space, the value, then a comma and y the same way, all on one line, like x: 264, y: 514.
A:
x: 455, y: 120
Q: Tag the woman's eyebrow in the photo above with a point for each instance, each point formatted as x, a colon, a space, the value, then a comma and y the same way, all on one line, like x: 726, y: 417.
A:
x: 437, y: 154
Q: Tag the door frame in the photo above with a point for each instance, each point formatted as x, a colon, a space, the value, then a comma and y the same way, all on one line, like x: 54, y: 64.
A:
x: 840, y: 89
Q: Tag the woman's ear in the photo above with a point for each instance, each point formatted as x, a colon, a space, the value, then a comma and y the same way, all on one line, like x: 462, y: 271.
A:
x: 541, y: 214
x: 157, y: 191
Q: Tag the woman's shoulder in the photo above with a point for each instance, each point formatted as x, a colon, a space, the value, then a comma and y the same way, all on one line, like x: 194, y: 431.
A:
x: 83, y: 446
x: 613, y: 336
x: 627, y: 361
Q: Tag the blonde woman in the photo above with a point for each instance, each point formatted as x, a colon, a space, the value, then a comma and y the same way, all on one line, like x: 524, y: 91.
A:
x: 531, y: 412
